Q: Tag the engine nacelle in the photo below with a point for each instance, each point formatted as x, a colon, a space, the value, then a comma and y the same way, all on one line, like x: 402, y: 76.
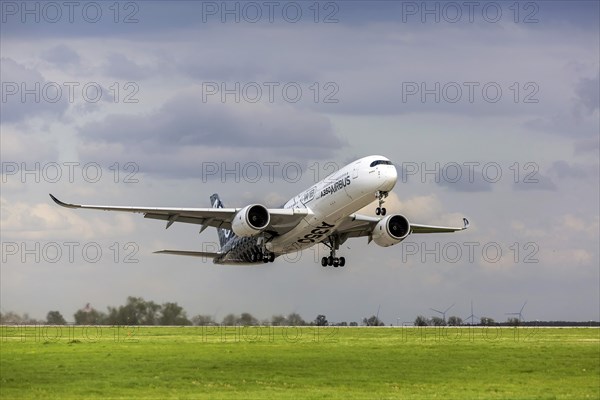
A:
x: 250, y: 220
x: 391, y: 230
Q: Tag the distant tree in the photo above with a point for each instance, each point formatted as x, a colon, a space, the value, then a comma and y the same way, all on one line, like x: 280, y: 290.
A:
x: 421, y: 321
x: 247, y: 319
x: 136, y: 311
x: 513, y: 322
x: 90, y: 317
x: 321, y: 320
x: 487, y: 321
x: 14, y: 318
x: 295, y: 319
x: 278, y: 320
x: 343, y: 323
x: 173, y: 314
x: 455, y: 321
x: 353, y: 323
x: 230, y: 320
x: 372, y: 321
x: 437, y: 321
x: 55, y: 318
x: 10, y: 318
x: 203, y: 320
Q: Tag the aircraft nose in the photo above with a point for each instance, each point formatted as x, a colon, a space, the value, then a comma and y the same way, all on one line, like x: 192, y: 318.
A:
x: 389, y: 176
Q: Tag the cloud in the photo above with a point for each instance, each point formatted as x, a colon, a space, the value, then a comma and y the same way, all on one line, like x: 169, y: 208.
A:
x: 588, y: 94
x: 564, y: 170
x: 26, y: 94
x: 538, y: 182
x: 61, y: 55
x: 185, y: 132
x: 32, y: 221
x: 119, y: 66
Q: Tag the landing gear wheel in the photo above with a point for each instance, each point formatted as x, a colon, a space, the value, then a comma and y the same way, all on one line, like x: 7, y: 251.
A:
x: 271, y: 257
x: 333, y: 244
x: 380, y: 199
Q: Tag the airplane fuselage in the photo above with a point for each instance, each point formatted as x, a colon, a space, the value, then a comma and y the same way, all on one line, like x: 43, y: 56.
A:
x: 329, y: 202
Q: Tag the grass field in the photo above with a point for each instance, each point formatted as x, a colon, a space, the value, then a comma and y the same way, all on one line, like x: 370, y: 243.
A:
x: 291, y: 363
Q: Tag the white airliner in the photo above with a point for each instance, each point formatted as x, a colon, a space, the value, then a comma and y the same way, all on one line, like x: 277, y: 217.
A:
x: 324, y: 213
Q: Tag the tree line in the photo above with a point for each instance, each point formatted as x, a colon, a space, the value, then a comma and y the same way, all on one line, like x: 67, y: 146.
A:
x: 487, y: 321
x: 137, y: 311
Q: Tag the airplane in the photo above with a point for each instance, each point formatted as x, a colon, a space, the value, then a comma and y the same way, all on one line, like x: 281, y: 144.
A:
x: 324, y: 213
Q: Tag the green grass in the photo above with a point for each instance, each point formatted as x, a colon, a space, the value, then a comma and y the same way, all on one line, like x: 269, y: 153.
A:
x: 292, y: 363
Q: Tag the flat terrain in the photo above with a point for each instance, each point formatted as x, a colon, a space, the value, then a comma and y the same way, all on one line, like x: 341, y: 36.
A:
x: 77, y: 362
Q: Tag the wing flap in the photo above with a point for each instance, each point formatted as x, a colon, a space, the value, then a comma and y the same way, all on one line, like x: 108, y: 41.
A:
x: 417, y: 228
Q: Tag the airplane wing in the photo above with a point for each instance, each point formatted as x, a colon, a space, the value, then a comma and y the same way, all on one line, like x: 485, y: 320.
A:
x: 357, y: 225
x: 188, y: 253
x: 282, y: 219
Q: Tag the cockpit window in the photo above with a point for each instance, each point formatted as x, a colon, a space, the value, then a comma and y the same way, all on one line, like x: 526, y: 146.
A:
x: 384, y: 162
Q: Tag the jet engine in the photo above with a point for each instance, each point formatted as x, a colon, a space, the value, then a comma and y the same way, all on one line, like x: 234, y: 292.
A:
x: 391, y: 230
x: 250, y: 220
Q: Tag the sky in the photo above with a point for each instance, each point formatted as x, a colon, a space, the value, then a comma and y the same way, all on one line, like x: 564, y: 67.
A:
x: 488, y: 110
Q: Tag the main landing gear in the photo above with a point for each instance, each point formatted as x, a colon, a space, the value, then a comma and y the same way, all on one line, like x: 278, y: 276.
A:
x: 332, y: 260
x: 266, y: 255
x: 381, y: 199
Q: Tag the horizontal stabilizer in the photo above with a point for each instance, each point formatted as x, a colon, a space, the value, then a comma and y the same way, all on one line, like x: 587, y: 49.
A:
x: 188, y: 253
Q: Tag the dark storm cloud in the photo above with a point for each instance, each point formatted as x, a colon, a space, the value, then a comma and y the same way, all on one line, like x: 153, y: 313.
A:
x: 186, y: 120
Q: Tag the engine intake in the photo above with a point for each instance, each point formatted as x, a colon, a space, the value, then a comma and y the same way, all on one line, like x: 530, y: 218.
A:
x: 391, y: 230
x: 250, y: 220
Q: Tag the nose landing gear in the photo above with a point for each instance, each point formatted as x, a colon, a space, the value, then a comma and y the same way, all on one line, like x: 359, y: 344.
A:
x: 381, y: 199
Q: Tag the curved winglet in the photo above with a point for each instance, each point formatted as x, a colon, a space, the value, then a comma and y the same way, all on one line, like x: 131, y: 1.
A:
x: 60, y: 203
x: 466, y: 222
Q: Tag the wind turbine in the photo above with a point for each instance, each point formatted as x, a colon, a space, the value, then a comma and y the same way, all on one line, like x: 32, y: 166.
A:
x: 472, y: 315
x: 520, y: 313
x: 443, y: 312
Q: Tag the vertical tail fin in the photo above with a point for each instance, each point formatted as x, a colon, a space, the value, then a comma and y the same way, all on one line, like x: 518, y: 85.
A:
x: 224, y: 234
